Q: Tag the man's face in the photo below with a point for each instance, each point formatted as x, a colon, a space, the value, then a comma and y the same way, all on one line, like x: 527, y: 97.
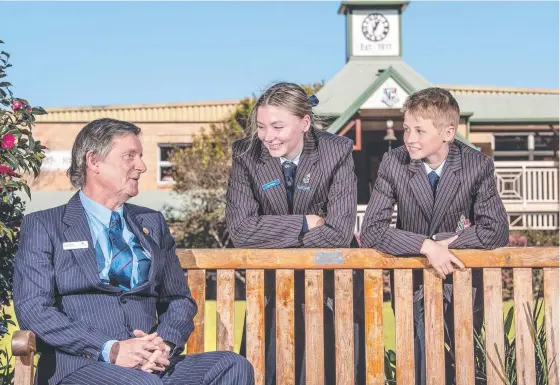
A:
x: 119, y: 172
x: 422, y: 138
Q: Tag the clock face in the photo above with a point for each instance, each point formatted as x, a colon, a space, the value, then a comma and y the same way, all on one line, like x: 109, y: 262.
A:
x: 375, y: 27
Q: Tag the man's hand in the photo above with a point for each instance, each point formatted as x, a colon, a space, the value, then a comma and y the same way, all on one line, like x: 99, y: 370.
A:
x: 440, y: 257
x: 136, y: 352
x: 159, y: 358
x: 314, y: 221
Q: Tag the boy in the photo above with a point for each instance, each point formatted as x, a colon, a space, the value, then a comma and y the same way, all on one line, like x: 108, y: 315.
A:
x: 446, y: 197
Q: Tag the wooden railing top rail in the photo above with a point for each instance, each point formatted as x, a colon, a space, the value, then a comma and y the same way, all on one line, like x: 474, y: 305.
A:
x: 358, y: 258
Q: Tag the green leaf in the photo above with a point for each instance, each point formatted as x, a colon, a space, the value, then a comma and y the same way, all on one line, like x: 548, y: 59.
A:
x: 508, y: 322
x: 12, y: 161
x: 26, y: 189
x: 38, y: 111
x: 31, y: 143
x: 5, y: 84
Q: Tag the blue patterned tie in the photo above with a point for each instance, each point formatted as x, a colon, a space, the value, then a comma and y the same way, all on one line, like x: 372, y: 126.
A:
x: 289, y: 169
x: 121, y: 262
x: 434, y: 179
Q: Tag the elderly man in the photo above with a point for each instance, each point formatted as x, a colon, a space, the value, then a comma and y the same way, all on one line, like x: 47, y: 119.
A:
x: 99, y: 283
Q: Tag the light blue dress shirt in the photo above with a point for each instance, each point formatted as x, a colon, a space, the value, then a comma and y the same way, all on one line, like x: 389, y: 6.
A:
x: 98, y: 217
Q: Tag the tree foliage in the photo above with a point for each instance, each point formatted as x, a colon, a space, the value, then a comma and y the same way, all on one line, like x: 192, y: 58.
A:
x: 20, y: 156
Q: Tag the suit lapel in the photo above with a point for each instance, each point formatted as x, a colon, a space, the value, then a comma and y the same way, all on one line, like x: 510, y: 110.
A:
x: 136, y: 224
x: 269, y: 171
x: 447, y: 186
x: 78, y: 230
x: 420, y: 187
x: 307, y: 175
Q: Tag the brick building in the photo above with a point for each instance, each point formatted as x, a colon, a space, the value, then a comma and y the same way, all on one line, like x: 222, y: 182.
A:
x: 517, y: 126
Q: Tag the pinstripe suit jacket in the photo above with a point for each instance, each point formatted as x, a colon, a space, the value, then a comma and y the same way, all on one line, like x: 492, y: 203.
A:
x: 258, y: 217
x: 58, y: 294
x: 466, y: 188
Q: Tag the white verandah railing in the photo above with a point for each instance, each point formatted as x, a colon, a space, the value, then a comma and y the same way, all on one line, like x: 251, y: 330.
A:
x: 529, y: 190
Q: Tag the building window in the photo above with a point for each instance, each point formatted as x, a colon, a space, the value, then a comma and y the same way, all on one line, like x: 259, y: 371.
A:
x: 525, y: 146
x: 164, y: 165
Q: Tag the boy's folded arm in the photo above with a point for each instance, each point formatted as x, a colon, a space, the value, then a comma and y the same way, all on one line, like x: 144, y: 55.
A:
x: 376, y: 231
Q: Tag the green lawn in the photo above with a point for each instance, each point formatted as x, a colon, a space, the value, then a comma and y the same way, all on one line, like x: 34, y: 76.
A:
x: 210, y: 325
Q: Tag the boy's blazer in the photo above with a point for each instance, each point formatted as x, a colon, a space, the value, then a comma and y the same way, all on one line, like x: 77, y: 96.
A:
x: 467, y: 203
x: 58, y: 294
x: 257, y: 207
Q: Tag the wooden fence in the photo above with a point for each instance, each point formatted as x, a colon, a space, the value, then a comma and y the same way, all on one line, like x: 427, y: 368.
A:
x: 314, y: 261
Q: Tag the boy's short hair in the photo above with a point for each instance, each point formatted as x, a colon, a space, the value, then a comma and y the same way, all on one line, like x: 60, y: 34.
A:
x: 436, y: 104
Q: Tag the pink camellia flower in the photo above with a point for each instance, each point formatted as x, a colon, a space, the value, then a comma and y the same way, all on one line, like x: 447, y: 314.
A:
x: 8, y: 141
x: 6, y: 170
x: 17, y: 105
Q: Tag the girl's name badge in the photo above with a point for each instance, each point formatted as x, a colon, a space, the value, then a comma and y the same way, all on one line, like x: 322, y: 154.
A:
x: 270, y: 184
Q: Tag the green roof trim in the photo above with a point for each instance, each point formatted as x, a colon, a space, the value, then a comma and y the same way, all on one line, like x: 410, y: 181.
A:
x: 343, y: 119
x: 339, y: 123
x: 345, y: 5
x: 538, y: 120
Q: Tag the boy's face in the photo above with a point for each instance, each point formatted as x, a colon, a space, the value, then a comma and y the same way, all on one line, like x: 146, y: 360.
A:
x: 423, y: 140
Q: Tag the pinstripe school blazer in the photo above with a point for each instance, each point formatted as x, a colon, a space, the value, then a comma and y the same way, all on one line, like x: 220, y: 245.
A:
x: 257, y: 206
x: 58, y: 294
x: 467, y: 188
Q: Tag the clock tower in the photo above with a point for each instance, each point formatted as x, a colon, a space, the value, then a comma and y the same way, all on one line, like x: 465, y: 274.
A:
x: 373, y: 27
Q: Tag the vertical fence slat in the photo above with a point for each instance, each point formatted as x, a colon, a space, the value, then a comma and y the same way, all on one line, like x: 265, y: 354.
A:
x: 255, y: 322
x: 463, y: 314
x: 404, y: 326
x: 24, y: 370
x: 225, y: 302
x: 433, y: 312
x: 524, y: 346
x: 196, y: 280
x: 552, y: 320
x: 344, y: 327
x: 534, y: 183
x: 556, y: 184
x: 285, y: 370
x: 373, y: 297
x: 493, y: 324
x: 540, y: 186
x: 314, y: 328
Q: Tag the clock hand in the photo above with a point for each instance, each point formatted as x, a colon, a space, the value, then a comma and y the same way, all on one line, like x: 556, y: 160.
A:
x: 376, y: 23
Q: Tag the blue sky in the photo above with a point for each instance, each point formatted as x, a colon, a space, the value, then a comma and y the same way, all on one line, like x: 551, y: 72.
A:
x: 98, y: 53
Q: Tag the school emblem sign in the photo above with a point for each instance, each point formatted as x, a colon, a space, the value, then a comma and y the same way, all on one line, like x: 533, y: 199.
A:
x: 390, y: 96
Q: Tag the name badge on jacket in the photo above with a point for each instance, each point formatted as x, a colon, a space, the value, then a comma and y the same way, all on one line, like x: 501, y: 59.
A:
x: 270, y: 184
x: 75, y: 245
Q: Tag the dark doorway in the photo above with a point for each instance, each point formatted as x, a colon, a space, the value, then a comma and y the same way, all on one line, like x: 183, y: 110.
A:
x: 368, y: 160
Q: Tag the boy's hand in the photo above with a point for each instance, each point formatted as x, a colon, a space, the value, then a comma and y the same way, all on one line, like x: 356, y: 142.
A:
x: 440, y: 257
x: 314, y: 221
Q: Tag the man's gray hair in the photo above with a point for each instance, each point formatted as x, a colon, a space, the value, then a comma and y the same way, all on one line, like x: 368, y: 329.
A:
x: 97, y: 137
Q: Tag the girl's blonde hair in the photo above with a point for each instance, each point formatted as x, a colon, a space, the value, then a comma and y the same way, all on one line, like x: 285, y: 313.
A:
x: 289, y: 96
